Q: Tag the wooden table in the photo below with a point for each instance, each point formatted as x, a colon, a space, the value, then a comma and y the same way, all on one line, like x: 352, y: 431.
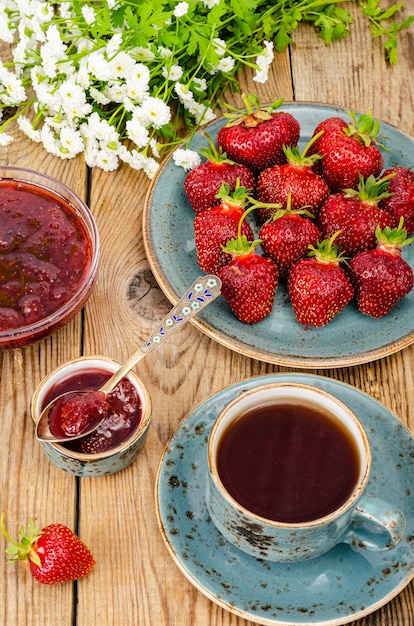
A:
x: 135, y: 580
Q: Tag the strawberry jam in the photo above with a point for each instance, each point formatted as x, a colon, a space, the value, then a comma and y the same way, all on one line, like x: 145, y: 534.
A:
x: 123, y: 410
x: 45, y: 253
x: 76, y: 413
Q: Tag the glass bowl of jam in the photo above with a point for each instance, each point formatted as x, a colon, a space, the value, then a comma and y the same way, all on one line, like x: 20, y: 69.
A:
x: 49, y: 253
x: 119, y: 439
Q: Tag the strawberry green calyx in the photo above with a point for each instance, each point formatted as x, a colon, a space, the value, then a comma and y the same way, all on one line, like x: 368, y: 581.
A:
x: 393, y: 239
x: 371, y: 190
x: 279, y: 211
x: 213, y: 154
x: 326, y: 252
x: 240, y: 245
x: 239, y: 196
x: 253, y: 115
x: 365, y: 128
x: 23, y: 549
x: 296, y: 157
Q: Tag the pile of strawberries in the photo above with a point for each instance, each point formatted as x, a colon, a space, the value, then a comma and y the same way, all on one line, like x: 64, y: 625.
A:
x: 332, y: 224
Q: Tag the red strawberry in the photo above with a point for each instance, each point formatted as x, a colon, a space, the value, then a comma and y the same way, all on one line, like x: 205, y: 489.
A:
x: 214, y: 227
x: 296, y: 179
x: 319, y: 288
x: 54, y: 553
x: 203, y: 182
x: 249, y: 281
x: 356, y: 214
x: 349, y: 152
x: 381, y: 276
x: 256, y: 137
x: 287, y: 237
x: 401, y: 203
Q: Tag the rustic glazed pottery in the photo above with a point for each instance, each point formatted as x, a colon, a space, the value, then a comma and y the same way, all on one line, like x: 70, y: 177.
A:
x: 362, y: 520
x: 102, y: 463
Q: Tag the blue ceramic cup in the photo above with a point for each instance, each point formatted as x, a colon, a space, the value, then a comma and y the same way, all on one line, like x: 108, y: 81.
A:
x: 100, y: 463
x: 363, y: 521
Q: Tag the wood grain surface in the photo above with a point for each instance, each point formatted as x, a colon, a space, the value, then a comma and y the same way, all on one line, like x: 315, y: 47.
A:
x: 135, y: 581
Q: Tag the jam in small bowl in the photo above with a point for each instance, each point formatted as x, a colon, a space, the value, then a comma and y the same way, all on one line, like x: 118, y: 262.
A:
x: 49, y: 252
x: 118, y: 440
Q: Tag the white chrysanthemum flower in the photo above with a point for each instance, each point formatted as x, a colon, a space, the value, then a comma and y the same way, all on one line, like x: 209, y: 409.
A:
x: 203, y: 114
x: 226, y: 64
x: 188, y: 159
x: 13, y: 91
x: 44, y: 11
x: 181, y: 9
x: 49, y: 65
x: 173, y: 73
x: 107, y: 160
x: 100, y: 97
x: 70, y: 90
x: 199, y: 84
x: 156, y: 111
x: 122, y: 65
x: 82, y: 77
x: 155, y: 147
x: 98, y: 66
x: 140, y: 72
x: 137, y: 90
x: 98, y: 130
x: 26, y: 127
x: 65, y: 9
x: 20, y: 50
x: 54, y: 39
x: 84, y: 45
x: 71, y: 140
x: 210, y: 3
x: 6, y: 33
x: 165, y: 53
x: 49, y: 140
x: 5, y: 139
x: 151, y: 167
x: 113, y: 44
x: 137, y: 133
x: 89, y: 14
x: 184, y: 94
x: 264, y: 62
x: 116, y: 91
x: 90, y: 153
x: 143, y: 54
x: 219, y: 46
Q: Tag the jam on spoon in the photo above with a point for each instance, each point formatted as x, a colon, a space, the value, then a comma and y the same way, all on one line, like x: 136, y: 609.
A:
x: 76, y: 413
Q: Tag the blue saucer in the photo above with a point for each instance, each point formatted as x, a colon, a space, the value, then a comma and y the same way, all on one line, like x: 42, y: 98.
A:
x: 349, y: 339
x: 335, y: 589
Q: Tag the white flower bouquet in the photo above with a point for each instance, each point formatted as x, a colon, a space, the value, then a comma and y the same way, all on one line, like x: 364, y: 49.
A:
x: 123, y: 80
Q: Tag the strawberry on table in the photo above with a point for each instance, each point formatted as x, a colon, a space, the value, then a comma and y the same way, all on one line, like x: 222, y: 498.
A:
x: 286, y: 237
x: 401, y: 203
x: 319, y: 288
x: 203, y: 182
x: 296, y: 178
x: 381, y: 276
x: 256, y: 137
x: 249, y: 281
x: 55, y: 554
x: 215, y: 226
x: 356, y: 214
x: 348, y: 151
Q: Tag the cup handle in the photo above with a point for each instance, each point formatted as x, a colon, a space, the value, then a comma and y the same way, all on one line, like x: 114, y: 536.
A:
x: 375, y: 525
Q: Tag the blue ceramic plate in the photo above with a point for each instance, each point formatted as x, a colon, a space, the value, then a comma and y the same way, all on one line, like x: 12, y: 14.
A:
x: 335, y: 589
x: 349, y: 339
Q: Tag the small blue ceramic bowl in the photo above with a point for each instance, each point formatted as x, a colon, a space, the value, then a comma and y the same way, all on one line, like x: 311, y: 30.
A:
x: 101, y: 463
